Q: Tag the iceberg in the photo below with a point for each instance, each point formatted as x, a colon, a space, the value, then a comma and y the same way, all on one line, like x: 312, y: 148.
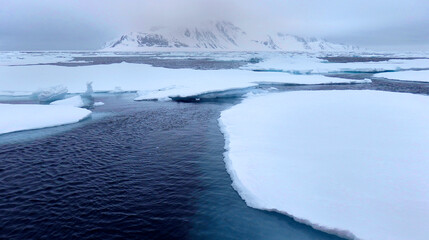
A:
x: 416, y: 76
x: 19, y: 117
x: 352, y: 163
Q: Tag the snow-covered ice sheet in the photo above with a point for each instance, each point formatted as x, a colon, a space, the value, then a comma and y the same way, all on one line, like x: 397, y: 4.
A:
x: 309, y: 64
x: 75, y: 101
x: 152, y: 82
x: 417, y: 76
x: 343, y: 161
x: 19, y: 117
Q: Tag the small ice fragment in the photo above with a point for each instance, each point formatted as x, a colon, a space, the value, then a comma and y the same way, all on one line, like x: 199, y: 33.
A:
x: 96, y: 104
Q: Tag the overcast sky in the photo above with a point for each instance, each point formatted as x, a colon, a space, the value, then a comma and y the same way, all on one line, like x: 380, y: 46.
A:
x: 87, y: 24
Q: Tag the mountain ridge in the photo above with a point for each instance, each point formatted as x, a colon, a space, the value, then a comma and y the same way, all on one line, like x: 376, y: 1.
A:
x: 217, y: 36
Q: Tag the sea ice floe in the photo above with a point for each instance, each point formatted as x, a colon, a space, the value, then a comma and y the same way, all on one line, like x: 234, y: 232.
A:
x: 346, y: 162
x: 306, y: 64
x: 19, y: 117
x: 417, y: 76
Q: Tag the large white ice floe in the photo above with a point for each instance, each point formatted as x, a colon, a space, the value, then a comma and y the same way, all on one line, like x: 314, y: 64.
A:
x: 353, y: 163
x: 19, y: 117
x: 75, y: 101
x: 307, y: 64
x: 153, y: 82
x: 417, y: 76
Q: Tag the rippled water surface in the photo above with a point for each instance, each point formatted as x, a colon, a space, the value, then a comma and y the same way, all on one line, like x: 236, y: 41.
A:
x: 145, y: 170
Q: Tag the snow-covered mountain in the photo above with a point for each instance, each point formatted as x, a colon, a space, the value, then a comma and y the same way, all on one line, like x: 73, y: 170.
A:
x: 217, y: 36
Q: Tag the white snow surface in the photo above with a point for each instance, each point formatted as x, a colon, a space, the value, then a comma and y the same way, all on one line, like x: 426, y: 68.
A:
x: 417, y: 76
x: 353, y: 163
x: 75, y: 101
x: 19, y: 117
x: 152, y: 82
x: 307, y: 64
